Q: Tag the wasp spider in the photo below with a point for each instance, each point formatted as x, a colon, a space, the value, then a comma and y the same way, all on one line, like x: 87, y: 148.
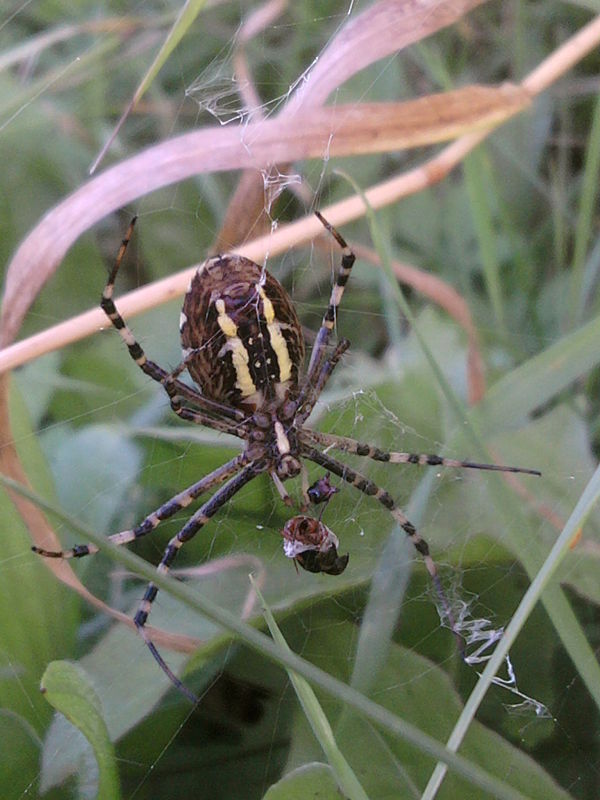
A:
x: 243, y: 347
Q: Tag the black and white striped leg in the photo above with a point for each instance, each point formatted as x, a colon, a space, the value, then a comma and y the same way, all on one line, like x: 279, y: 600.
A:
x: 201, y: 418
x: 189, y: 530
x: 367, y: 487
x: 310, y: 393
x: 348, y: 445
x: 172, y: 386
x: 153, y: 520
x: 319, y: 350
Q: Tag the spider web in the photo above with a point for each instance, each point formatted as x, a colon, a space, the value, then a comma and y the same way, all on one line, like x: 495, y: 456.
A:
x: 383, y: 393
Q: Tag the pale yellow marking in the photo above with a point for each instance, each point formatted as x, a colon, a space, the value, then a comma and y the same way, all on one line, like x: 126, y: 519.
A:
x: 337, y: 293
x: 278, y: 342
x: 226, y: 324
x: 122, y: 538
x: 162, y: 569
x: 239, y: 354
x: 399, y: 517
x: 283, y: 444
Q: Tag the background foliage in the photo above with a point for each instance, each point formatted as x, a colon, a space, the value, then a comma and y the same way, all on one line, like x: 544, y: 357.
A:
x: 514, y: 231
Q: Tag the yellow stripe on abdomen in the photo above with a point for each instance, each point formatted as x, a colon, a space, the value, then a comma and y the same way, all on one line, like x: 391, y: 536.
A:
x: 277, y: 339
x: 239, y: 354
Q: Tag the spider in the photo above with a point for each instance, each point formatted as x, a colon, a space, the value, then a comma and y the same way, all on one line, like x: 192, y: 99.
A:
x: 244, y: 349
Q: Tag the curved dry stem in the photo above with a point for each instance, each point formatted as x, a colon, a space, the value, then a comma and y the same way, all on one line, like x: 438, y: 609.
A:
x: 381, y: 30
x: 320, y: 133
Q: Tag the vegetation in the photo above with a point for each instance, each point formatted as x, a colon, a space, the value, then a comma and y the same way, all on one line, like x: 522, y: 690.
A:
x: 489, y: 352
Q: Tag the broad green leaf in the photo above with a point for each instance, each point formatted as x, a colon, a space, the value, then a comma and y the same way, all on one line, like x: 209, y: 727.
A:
x: 423, y: 694
x: 38, y: 615
x: 19, y: 755
x: 68, y: 689
x: 310, y: 782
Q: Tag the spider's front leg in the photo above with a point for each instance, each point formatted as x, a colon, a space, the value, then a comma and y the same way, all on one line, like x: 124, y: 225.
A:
x: 210, y: 413
x: 318, y: 354
x: 311, y: 391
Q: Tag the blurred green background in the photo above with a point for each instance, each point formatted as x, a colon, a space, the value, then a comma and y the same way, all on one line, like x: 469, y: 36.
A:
x: 514, y: 231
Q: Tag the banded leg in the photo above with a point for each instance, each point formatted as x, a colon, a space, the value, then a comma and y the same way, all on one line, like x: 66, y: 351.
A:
x: 153, y: 520
x: 358, y: 448
x: 281, y: 490
x: 189, y: 530
x: 310, y: 393
x: 200, y: 418
x: 367, y: 487
x: 172, y: 386
x: 348, y: 258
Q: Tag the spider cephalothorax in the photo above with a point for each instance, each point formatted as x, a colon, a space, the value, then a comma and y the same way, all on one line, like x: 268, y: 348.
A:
x: 243, y: 347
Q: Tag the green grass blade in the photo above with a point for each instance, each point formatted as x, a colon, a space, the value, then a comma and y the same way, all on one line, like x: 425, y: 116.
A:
x: 382, y: 611
x: 185, y: 18
x: 585, y: 219
x: 538, y: 380
x: 347, y: 780
x: 477, y: 182
x: 587, y: 501
x: 264, y: 645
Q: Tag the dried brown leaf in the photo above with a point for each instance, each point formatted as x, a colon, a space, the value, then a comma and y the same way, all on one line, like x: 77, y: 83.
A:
x: 381, y: 30
x: 321, y: 132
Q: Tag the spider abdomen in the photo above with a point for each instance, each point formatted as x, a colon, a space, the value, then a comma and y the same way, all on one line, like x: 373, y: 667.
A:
x: 241, y: 337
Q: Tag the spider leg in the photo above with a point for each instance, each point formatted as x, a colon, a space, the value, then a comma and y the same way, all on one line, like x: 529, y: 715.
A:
x: 281, y: 490
x: 189, y: 530
x: 367, y: 487
x: 201, y: 418
x: 348, y: 445
x: 310, y: 392
x: 153, y: 520
x: 172, y: 386
x: 319, y: 349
